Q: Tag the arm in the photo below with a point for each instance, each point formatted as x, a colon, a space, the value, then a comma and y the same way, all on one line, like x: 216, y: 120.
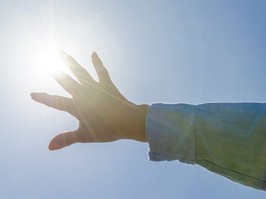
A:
x: 104, y: 114
x: 226, y: 138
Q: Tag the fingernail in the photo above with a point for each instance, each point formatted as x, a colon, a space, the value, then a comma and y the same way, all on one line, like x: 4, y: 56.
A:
x: 94, y: 54
x: 38, y: 96
x: 33, y: 95
x: 54, y: 146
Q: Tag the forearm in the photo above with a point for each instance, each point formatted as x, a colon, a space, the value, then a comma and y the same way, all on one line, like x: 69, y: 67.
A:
x: 230, y: 140
x: 227, y: 138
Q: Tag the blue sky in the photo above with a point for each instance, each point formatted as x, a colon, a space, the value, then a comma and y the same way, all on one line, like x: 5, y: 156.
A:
x: 156, y: 51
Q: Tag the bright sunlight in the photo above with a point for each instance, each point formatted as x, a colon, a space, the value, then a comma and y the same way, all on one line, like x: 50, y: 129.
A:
x: 42, y: 57
x: 45, y: 56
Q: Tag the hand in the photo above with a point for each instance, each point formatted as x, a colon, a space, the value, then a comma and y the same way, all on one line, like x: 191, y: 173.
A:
x: 104, y: 114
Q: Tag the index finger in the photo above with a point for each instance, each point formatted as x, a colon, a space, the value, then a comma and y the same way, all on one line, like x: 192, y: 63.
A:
x: 80, y: 73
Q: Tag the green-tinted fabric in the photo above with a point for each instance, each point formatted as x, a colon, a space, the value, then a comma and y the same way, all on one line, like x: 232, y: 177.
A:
x: 228, y: 138
x: 231, y: 141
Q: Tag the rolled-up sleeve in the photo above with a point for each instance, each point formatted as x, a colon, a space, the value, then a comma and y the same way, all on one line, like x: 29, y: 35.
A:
x: 170, y: 132
x: 226, y: 138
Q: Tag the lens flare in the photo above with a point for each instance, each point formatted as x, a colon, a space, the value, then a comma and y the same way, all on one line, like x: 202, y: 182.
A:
x: 46, y: 58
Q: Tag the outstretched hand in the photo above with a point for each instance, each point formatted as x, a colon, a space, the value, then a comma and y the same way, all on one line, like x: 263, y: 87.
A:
x: 104, y: 114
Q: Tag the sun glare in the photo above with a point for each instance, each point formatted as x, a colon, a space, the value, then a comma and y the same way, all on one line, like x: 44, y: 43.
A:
x: 45, y: 57
x: 44, y: 61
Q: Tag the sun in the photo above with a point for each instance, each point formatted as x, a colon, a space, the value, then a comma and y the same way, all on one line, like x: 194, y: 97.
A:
x: 45, y: 56
x: 43, y: 60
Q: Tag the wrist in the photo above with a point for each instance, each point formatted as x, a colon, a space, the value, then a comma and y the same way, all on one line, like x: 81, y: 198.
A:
x: 137, y: 123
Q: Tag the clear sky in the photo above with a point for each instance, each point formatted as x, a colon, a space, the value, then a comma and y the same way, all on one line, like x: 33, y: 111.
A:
x: 188, y: 51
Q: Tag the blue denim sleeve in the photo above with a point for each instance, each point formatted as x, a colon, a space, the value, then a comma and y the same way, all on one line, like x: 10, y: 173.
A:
x: 170, y: 132
x: 225, y: 138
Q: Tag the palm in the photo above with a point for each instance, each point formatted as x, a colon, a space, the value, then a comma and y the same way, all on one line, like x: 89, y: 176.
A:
x: 97, y: 108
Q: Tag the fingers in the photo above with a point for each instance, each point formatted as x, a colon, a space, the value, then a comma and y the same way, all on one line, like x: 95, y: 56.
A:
x: 62, y: 140
x: 80, y: 73
x: 103, y: 74
x: 57, y: 102
x: 100, y: 69
x: 69, y: 84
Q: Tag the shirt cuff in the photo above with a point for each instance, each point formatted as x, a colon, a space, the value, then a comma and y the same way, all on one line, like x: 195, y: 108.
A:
x: 170, y: 132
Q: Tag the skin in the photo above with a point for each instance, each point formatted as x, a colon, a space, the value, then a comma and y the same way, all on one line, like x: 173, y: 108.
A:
x: 104, y: 114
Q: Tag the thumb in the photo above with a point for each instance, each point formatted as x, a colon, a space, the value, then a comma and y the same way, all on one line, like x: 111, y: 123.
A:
x: 62, y: 140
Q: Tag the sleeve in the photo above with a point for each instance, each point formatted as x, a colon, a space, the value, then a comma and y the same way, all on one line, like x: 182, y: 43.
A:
x: 225, y: 138
x: 170, y: 132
